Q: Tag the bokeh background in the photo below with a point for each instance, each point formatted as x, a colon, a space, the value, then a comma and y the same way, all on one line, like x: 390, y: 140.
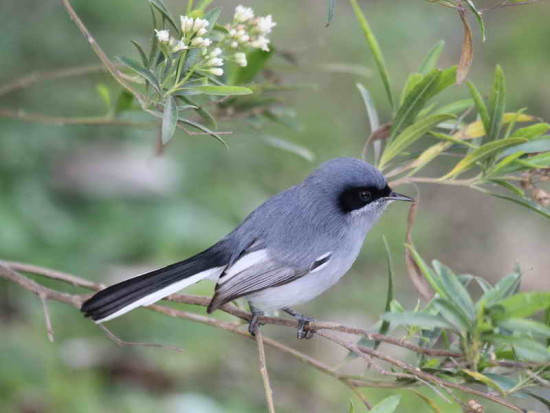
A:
x: 98, y: 202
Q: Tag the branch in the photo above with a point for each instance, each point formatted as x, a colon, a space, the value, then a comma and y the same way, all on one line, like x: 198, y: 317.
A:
x: 414, y: 374
x: 263, y: 371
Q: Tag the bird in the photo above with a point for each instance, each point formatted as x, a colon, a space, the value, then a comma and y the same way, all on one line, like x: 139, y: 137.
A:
x: 292, y: 248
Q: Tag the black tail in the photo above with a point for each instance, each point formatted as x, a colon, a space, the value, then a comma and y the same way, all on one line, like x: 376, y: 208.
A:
x: 153, y: 286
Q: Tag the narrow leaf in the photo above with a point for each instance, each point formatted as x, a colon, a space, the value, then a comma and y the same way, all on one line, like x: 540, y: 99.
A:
x: 423, y: 320
x: 330, y: 13
x: 524, y: 304
x: 480, y: 106
x: 480, y: 153
x: 497, y: 100
x: 140, y: 70
x: 430, y: 61
x: 525, y: 326
x: 374, y: 48
x: 410, y: 135
x: 388, y: 405
x: 169, y: 120
x: 221, y: 90
x: 159, y: 5
x: 467, y: 53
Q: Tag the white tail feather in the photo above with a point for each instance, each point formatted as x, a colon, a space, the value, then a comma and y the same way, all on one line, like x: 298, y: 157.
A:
x: 212, y: 273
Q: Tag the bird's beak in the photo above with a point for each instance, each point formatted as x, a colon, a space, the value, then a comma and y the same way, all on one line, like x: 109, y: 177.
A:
x: 394, y: 196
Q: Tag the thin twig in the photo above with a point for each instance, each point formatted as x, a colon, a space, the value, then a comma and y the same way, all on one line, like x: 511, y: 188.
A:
x: 263, y: 372
x: 35, y: 77
x: 124, y: 343
x: 47, y: 319
x: 65, y: 120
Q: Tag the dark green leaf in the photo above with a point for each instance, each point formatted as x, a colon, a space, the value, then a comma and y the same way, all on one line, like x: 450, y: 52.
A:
x: 474, y: 10
x: 524, y: 304
x: 212, y: 17
x: 480, y: 106
x: 526, y: 348
x: 257, y: 60
x: 497, y: 101
x: 455, y: 291
x: 453, y: 314
x: 140, y: 70
x: 455, y: 107
x: 141, y: 52
x: 159, y: 5
x: 203, y: 128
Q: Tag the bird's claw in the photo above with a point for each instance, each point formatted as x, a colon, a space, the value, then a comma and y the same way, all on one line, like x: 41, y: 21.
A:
x: 303, y: 328
x: 254, y: 322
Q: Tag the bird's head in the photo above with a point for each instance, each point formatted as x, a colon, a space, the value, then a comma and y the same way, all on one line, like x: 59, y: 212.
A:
x: 354, y: 187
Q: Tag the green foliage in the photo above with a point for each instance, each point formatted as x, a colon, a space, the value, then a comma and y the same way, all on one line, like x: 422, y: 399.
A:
x: 492, y: 150
x: 501, y: 326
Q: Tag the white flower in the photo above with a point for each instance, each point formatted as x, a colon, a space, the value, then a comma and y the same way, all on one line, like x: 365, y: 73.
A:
x: 243, y: 14
x: 202, y: 31
x: 180, y: 45
x: 261, y: 43
x: 240, y: 58
x: 163, y: 35
x: 215, y: 61
x: 186, y: 24
x: 201, y: 42
x: 234, y: 45
x: 265, y: 24
x: 216, y: 71
x: 200, y: 24
x: 216, y: 52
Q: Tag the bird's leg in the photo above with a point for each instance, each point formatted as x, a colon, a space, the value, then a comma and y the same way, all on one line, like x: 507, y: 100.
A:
x: 303, y: 323
x: 254, y: 322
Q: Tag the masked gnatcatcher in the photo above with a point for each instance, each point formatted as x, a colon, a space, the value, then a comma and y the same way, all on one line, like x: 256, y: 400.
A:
x: 289, y: 250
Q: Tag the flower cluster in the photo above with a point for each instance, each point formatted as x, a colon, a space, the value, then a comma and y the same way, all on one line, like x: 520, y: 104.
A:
x: 246, y: 31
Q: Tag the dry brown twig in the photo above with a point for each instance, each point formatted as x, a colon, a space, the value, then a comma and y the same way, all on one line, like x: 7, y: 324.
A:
x: 10, y: 272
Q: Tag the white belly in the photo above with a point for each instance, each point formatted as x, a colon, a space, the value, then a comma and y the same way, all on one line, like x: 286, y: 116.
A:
x: 301, y: 290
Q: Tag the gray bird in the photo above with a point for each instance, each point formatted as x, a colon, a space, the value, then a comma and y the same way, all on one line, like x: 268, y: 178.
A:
x: 289, y: 250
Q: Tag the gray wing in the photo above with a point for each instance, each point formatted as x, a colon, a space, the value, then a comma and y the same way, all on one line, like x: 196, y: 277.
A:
x: 256, y: 270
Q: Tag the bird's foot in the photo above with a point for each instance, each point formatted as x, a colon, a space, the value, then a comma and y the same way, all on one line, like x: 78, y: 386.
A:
x: 303, y: 324
x: 254, y: 322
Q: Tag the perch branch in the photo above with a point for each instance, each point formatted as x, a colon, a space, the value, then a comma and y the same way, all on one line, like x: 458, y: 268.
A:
x: 7, y: 271
x: 263, y: 371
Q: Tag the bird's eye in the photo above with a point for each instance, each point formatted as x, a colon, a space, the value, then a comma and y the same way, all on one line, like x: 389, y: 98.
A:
x: 365, y: 196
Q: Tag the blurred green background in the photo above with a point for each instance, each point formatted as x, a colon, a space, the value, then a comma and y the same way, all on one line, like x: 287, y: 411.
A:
x: 98, y: 202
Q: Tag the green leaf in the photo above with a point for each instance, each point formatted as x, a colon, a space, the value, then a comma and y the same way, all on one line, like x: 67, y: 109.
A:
x: 509, y: 186
x: 124, y: 102
x: 496, y: 104
x: 531, y: 132
x: 212, y: 17
x: 415, y: 101
x: 169, y: 120
x: 291, y: 147
x: 140, y: 70
x: 455, y: 291
x: 422, y: 320
x: 431, y: 59
x: 485, y: 380
x: 221, y: 90
x: 141, y: 52
x: 480, y: 106
x: 374, y: 122
x: 525, y: 326
x: 453, y: 314
x: 389, y: 295
x: 480, y: 153
x: 257, y: 59
x: 204, y: 129
x: 159, y: 5
x: 412, y: 80
x: 541, y: 144
x: 410, y: 135
x: 374, y: 48
x: 388, y: 405
x: 476, y: 12
x: 103, y: 91
x: 526, y: 348
x: 330, y: 13
x: 455, y: 107
x: 431, y: 277
x: 523, y: 304
x: 545, y: 212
